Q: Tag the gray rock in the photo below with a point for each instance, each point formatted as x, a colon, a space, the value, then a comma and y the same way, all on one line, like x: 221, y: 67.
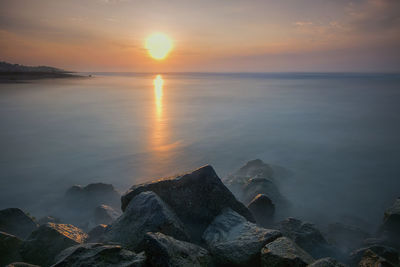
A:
x: 14, y: 221
x: 9, y: 248
x: 195, y: 197
x: 233, y: 240
x: 163, y: 250
x: 21, y: 264
x: 391, y: 221
x: 327, y: 262
x: 284, y: 252
x: 262, y: 209
x: 346, y: 237
x: 264, y: 186
x: 104, y: 214
x: 48, y: 240
x: 307, y: 236
x: 387, y: 253
x: 99, y: 255
x: 371, y: 259
x: 97, y: 233
x: 146, y: 212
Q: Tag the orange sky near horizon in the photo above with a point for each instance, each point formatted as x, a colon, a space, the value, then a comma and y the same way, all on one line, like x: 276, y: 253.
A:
x: 109, y: 35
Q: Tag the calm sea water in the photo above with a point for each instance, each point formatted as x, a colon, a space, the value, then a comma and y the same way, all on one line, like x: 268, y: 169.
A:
x: 338, y: 134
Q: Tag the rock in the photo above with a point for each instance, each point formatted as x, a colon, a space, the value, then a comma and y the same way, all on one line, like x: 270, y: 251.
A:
x: 263, y: 186
x: 163, y: 250
x: 14, y: 221
x: 346, y: 237
x: 389, y: 254
x: 9, y: 248
x: 262, y: 209
x: 48, y: 240
x: 284, y: 252
x: 146, y: 212
x: 391, y: 221
x: 21, y: 264
x: 235, y: 241
x: 97, y: 233
x: 307, y: 236
x: 195, y: 197
x: 100, y: 255
x: 327, y: 262
x: 104, y: 214
x: 370, y: 259
x: 48, y: 219
x: 254, y: 169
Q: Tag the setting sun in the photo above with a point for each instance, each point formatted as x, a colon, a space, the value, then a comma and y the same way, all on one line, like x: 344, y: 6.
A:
x: 158, y: 45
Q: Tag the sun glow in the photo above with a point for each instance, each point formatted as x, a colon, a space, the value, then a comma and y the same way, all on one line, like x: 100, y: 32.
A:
x: 158, y: 45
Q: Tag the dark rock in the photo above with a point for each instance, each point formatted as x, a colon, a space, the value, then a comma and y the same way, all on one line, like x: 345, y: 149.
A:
x: 48, y: 219
x: 14, y: 221
x: 284, y: 252
x: 163, y: 250
x: 327, y: 262
x: 307, y: 236
x: 97, y: 233
x: 264, y: 186
x: 21, y: 264
x: 262, y: 209
x: 196, y: 198
x: 253, y: 169
x: 99, y: 255
x: 346, y: 237
x: 146, y: 212
x: 387, y: 253
x: 391, y: 223
x: 370, y: 259
x: 235, y: 241
x: 9, y: 248
x: 48, y: 240
x: 104, y: 214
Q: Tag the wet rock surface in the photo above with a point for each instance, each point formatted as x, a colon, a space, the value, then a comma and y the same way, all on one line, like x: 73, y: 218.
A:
x: 235, y: 241
x: 48, y: 240
x: 100, y: 255
x: 14, y: 221
x: 146, y: 212
x: 163, y: 250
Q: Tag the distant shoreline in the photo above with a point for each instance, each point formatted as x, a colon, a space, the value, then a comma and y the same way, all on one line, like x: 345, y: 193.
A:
x: 16, y: 77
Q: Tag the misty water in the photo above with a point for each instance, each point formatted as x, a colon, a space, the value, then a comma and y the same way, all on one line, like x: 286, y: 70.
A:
x: 338, y: 134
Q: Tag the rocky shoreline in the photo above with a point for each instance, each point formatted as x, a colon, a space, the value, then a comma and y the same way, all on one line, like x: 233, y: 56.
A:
x: 194, y: 219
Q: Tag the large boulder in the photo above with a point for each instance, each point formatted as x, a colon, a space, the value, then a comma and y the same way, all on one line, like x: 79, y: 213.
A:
x: 9, y: 248
x: 99, y: 255
x: 391, y: 220
x: 48, y: 240
x: 14, y: 221
x: 262, y: 209
x: 327, y: 262
x: 105, y: 214
x: 196, y: 197
x: 284, y: 252
x: 97, y: 233
x: 307, y: 236
x: 256, y: 186
x: 163, y: 250
x: 146, y: 212
x: 387, y: 253
x: 371, y: 259
x: 235, y: 241
x: 346, y: 237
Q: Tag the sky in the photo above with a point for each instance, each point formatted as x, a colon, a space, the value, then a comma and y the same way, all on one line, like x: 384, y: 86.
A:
x: 208, y: 35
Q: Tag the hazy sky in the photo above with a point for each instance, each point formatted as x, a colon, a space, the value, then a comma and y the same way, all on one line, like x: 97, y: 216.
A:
x: 208, y: 35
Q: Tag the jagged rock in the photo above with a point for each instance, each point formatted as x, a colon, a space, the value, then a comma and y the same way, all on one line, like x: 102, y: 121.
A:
x: 327, y: 262
x: 370, y: 259
x: 391, y: 221
x: 104, y: 214
x: 235, y: 241
x: 346, y: 237
x: 97, y: 233
x: 307, y: 236
x: 14, y: 221
x: 195, y: 197
x: 146, y: 212
x: 21, y: 264
x: 48, y: 219
x: 264, y: 186
x: 262, y: 209
x: 163, y: 250
x: 387, y: 253
x: 9, y: 248
x: 254, y: 169
x: 284, y: 252
x: 99, y: 255
x: 48, y: 240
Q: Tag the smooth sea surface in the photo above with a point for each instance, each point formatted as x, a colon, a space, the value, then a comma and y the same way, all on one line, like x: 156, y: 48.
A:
x: 339, y: 134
